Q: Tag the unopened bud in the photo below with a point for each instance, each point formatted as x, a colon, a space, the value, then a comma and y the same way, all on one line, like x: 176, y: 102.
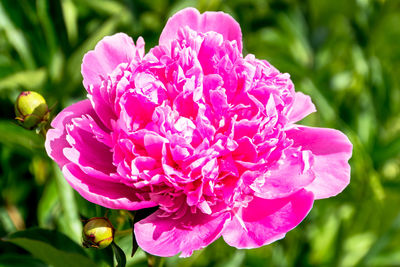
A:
x: 31, y: 110
x: 97, y: 233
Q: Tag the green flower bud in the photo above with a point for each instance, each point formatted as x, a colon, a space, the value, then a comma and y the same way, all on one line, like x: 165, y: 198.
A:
x: 97, y: 233
x: 31, y: 110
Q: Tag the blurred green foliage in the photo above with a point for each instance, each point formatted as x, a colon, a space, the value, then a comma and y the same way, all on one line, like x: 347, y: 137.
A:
x: 345, y: 54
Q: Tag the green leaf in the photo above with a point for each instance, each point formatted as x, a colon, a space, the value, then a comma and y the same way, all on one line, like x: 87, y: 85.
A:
x: 75, y: 60
x: 70, y: 14
x: 30, y: 79
x: 382, y: 241
x: 47, y: 24
x: 16, y: 137
x: 16, y: 38
x: 47, y: 203
x: 51, y: 247
x: 18, y: 260
x: 119, y: 255
x: 236, y: 260
x: 105, y: 6
x: 71, y: 222
x: 88, y: 209
x: 5, y: 221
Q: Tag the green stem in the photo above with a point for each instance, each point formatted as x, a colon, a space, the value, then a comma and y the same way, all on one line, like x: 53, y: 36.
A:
x: 43, y: 132
x: 155, y: 261
x: 123, y: 232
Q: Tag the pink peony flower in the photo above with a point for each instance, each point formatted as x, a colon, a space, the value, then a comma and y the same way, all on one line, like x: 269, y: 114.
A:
x: 199, y: 131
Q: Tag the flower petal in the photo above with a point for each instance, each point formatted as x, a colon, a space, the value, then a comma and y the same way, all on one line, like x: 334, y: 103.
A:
x: 56, y: 138
x: 107, y: 194
x: 104, y: 73
x: 302, y: 107
x: 208, y: 21
x: 166, y: 236
x: 265, y: 221
x: 332, y: 150
x: 87, y: 150
x: 285, y: 177
x: 107, y: 55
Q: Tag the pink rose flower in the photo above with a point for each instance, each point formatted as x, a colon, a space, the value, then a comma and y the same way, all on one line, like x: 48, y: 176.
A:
x: 199, y: 131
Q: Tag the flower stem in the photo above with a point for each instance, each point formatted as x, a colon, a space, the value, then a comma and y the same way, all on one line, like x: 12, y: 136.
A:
x: 154, y: 261
x: 43, y: 132
x: 123, y: 232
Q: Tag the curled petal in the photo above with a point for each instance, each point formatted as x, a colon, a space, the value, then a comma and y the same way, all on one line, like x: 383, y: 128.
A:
x: 112, y: 195
x: 302, y: 107
x: 56, y: 138
x: 107, y: 55
x: 209, y: 21
x: 103, y: 71
x: 332, y: 150
x: 87, y: 150
x: 265, y: 221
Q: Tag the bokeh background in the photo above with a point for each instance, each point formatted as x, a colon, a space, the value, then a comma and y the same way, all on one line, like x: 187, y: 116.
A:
x: 345, y: 54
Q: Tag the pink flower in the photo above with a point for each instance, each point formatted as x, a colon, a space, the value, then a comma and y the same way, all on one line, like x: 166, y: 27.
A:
x: 199, y: 131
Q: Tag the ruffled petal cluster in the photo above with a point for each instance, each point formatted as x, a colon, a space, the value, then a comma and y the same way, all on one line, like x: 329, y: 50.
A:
x: 201, y: 132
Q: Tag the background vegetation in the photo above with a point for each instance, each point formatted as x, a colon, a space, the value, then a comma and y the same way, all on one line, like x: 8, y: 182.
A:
x: 344, y: 53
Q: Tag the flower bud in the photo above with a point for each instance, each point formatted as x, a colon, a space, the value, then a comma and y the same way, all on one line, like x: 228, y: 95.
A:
x: 97, y: 233
x: 31, y: 110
